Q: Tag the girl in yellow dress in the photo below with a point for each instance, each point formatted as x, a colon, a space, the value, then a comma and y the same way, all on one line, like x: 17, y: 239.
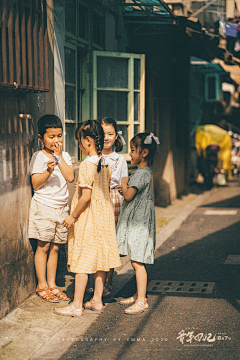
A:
x: 92, y: 246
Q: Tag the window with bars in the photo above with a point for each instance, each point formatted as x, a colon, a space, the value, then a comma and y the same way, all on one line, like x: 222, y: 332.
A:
x: 24, y: 45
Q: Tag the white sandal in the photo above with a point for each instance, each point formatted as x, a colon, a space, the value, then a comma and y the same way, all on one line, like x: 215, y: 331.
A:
x: 68, y: 311
x: 143, y: 307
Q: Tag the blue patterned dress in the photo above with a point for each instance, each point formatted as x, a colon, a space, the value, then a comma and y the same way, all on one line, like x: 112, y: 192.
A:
x: 136, y: 230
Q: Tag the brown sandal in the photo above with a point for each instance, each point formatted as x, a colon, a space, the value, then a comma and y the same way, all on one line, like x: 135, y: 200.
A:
x: 48, y: 296
x: 60, y: 294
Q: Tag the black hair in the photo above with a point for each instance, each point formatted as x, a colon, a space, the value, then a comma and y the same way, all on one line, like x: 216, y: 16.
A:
x: 48, y: 121
x: 138, y: 141
x: 118, y: 142
x: 93, y: 129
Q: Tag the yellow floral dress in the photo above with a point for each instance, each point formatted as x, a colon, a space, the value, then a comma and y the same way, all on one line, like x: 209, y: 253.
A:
x: 92, y: 242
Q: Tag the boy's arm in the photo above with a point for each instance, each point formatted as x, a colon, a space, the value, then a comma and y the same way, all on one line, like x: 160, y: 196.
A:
x: 82, y: 203
x: 66, y: 170
x: 38, y: 180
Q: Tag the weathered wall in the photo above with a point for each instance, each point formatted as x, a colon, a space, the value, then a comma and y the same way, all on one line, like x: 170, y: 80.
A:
x: 16, y: 146
x: 18, y: 141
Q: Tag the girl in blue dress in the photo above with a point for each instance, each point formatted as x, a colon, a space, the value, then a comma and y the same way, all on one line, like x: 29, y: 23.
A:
x: 136, y: 231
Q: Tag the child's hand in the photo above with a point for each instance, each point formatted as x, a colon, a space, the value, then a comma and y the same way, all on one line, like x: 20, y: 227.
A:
x: 58, y: 149
x: 50, y: 166
x: 68, y: 221
x: 119, y: 189
x: 75, y: 186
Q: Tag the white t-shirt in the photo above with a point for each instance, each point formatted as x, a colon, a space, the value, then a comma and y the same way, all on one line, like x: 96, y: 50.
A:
x: 54, y: 192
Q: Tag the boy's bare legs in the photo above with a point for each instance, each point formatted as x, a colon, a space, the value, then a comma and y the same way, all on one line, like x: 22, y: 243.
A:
x: 52, y: 265
x: 41, y: 264
x: 52, y: 270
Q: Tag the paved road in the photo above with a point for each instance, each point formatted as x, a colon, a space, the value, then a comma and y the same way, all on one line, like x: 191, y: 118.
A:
x: 180, y: 325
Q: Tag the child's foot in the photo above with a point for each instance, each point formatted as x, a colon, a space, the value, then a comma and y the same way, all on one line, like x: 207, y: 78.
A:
x: 136, y: 308
x: 107, y: 291
x: 69, y: 311
x: 58, y: 293
x: 46, y: 295
x: 93, y: 305
x: 128, y: 301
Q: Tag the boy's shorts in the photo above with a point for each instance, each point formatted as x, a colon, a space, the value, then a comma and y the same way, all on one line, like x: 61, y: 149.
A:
x: 46, y: 223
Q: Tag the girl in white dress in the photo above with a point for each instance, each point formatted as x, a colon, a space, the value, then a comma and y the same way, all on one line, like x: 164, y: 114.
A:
x: 113, y: 143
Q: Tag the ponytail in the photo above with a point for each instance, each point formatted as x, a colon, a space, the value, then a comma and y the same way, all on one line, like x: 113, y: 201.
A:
x: 99, y: 151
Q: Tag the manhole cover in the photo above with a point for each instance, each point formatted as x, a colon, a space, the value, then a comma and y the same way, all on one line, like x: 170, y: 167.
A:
x: 233, y: 260
x: 220, y: 212
x: 159, y: 286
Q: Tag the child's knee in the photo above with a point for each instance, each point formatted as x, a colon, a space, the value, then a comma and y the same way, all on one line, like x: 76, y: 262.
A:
x: 43, y: 245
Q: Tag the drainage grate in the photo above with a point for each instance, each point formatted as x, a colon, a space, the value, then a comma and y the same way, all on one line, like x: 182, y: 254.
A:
x: 159, y: 286
x: 233, y: 260
x: 220, y: 212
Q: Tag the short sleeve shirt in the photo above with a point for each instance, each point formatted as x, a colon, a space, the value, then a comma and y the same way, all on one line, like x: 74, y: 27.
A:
x: 54, y: 192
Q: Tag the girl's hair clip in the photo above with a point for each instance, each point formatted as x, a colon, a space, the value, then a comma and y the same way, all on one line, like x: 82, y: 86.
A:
x: 149, y: 138
x: 121, y: 137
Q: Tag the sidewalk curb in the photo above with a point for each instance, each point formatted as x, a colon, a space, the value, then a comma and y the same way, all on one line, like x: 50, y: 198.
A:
x: 71, y: 331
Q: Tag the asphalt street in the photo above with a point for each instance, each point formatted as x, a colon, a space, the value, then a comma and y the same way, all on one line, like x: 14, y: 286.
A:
x: 180, y: 324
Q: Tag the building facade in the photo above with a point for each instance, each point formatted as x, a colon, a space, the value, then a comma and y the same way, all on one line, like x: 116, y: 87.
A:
x: 84, y: 60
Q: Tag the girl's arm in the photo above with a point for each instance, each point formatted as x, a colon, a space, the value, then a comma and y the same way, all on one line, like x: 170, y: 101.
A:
x: 82, y: 203
x: 124, y: 180
x: 128, y: 192
x: 119, y: 186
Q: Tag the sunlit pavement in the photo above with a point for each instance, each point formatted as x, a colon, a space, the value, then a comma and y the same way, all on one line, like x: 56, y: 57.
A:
x: 178, y: 325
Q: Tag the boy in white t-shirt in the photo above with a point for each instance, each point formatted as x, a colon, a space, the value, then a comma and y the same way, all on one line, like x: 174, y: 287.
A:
x: 50, y: 169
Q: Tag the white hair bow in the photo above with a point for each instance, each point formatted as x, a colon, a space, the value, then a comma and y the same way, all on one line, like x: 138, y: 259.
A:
x: 149, y: 138
x: 121, y: 137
